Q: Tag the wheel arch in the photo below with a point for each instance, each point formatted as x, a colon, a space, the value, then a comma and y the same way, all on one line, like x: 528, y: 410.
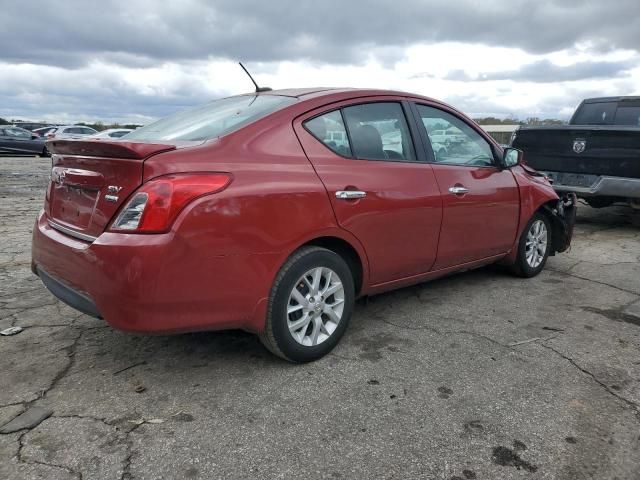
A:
x: 561, y: 218
x: 348, y: 253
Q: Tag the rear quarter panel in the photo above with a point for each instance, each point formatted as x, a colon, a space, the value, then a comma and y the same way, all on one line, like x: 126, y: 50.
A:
x: 274, y: 204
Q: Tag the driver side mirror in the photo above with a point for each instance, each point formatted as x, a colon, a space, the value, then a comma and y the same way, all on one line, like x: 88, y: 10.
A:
x: 511, y: 157
x: 34, y: 136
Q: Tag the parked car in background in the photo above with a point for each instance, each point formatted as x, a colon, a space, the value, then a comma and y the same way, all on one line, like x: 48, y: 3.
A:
x: 41, y: 132
x: 112, y: 133
x: 31, y: 126
x: 596, y: 156
x: 70, y: 132
x: 252, y: 212
x: 447, y: 137
x: 18, y: 141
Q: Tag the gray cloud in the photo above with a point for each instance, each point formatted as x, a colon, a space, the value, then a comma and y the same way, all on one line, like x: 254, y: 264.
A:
x: 544, y: 71
x: 72, y: 33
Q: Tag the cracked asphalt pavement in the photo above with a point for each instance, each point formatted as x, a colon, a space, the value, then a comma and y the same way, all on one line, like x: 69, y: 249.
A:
x: 477, y: 376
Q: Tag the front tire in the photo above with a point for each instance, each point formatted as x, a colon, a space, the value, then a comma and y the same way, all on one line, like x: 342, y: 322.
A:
x: 534, y: 247
x: 310, y: 305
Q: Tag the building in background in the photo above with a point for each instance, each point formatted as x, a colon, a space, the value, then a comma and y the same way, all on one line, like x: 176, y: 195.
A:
x: 501, y: 133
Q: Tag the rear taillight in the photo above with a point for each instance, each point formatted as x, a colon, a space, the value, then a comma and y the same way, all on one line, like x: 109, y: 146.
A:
x: 155, y: 206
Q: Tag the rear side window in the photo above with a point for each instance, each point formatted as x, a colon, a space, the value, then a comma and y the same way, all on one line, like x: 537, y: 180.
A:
x: 373, y: 131
x: 329, y: 129
x: 212, y: 120
x: 600, y: 113
x: 379, y: 131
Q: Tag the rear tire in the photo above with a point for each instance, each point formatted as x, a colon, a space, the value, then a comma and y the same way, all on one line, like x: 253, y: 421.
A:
x: 534, y: 247
x: 45, y: 152
x: 310, y: 305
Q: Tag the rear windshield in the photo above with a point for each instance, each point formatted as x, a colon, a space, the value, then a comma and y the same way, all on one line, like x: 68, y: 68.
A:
x: 601, y: 113
x: 213, y: 119
x: 608, y: 113
x: 628, y: 115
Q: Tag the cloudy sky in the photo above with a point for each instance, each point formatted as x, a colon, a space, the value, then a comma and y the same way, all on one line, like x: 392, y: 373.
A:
x: 135, y: 60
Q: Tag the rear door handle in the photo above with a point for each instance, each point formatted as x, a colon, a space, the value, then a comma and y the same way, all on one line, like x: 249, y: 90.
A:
x: 350, y: 194
x: 458, y: 190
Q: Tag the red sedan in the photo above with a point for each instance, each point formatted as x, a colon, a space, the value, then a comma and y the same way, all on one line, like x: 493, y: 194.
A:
x: 272, y: 212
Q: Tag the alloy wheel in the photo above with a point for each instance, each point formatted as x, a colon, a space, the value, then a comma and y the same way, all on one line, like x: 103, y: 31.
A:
x: 536, y: 244
x: 315, y: 306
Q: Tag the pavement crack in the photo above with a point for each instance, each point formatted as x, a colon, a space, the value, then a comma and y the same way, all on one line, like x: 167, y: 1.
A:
x: 446, y: 332
x: 21, y: 459
x: 561, y: 272
x: 71, y: 355
x: 126, y: 464
x: 85, y: 417
x: 606, y: 387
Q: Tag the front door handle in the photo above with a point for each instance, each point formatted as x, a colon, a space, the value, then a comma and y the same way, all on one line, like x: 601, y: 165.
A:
x: 350, y: 194
x: 458, y: 190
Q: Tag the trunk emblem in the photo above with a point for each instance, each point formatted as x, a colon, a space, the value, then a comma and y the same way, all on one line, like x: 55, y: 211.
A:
x: 579, y: 145
x: 110, y: 197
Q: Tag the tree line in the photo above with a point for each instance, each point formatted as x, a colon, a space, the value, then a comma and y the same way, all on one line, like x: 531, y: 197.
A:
x: 99, y: 126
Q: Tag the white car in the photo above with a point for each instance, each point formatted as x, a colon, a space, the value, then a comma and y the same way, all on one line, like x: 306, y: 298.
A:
x: 69, y: 132
x: 112, y: 133
x: 446, y: 137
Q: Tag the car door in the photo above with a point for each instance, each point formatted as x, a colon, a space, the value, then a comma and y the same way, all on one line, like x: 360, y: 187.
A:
x: 4, y: 141
x: 380, y: 186
x: 17, y: 140
x: 481, y: 202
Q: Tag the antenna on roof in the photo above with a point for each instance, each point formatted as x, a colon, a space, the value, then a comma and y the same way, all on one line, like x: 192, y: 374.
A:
x: 258, y: 89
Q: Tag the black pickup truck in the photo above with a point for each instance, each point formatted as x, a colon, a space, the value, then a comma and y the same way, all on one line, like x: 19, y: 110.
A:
x: 596, y: 156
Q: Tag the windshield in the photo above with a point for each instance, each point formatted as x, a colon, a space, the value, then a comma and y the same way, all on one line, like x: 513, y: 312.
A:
x: 213, y: 119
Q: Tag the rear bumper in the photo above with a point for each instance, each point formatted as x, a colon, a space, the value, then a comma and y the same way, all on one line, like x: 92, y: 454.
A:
x: 164, y: 283
x: 68, y: 295
x: 596, y: 185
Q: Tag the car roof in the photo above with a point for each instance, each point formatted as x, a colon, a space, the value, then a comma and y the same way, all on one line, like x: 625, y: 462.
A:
x: 319, y: 92
x: 611, y: 99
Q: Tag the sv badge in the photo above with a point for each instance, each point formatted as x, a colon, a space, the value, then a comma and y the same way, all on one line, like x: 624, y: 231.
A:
x: 111, y: 196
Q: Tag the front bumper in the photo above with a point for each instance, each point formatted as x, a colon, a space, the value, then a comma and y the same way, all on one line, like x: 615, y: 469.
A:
x: 563, y: 218
x: 595, y: 185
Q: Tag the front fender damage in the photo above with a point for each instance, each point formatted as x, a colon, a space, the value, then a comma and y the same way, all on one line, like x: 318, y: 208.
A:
x: 562, y: 214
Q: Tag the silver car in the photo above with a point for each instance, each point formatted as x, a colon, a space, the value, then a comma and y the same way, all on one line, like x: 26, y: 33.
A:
x: 112, y: 133
x: 69, y: 132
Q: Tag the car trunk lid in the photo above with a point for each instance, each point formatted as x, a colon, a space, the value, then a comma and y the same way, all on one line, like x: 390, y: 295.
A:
x: 90, y: 180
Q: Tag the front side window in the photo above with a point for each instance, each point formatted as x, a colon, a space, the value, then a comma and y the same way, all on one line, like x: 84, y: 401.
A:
x: 379, y: 131
x: 329, y: 129
x: 212, y: 120
x: 18, y: 133
x: 453, y: 141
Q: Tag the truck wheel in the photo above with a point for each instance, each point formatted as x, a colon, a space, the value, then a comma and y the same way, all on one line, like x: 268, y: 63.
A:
x: 533, y: 247
x: 310, y: 305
